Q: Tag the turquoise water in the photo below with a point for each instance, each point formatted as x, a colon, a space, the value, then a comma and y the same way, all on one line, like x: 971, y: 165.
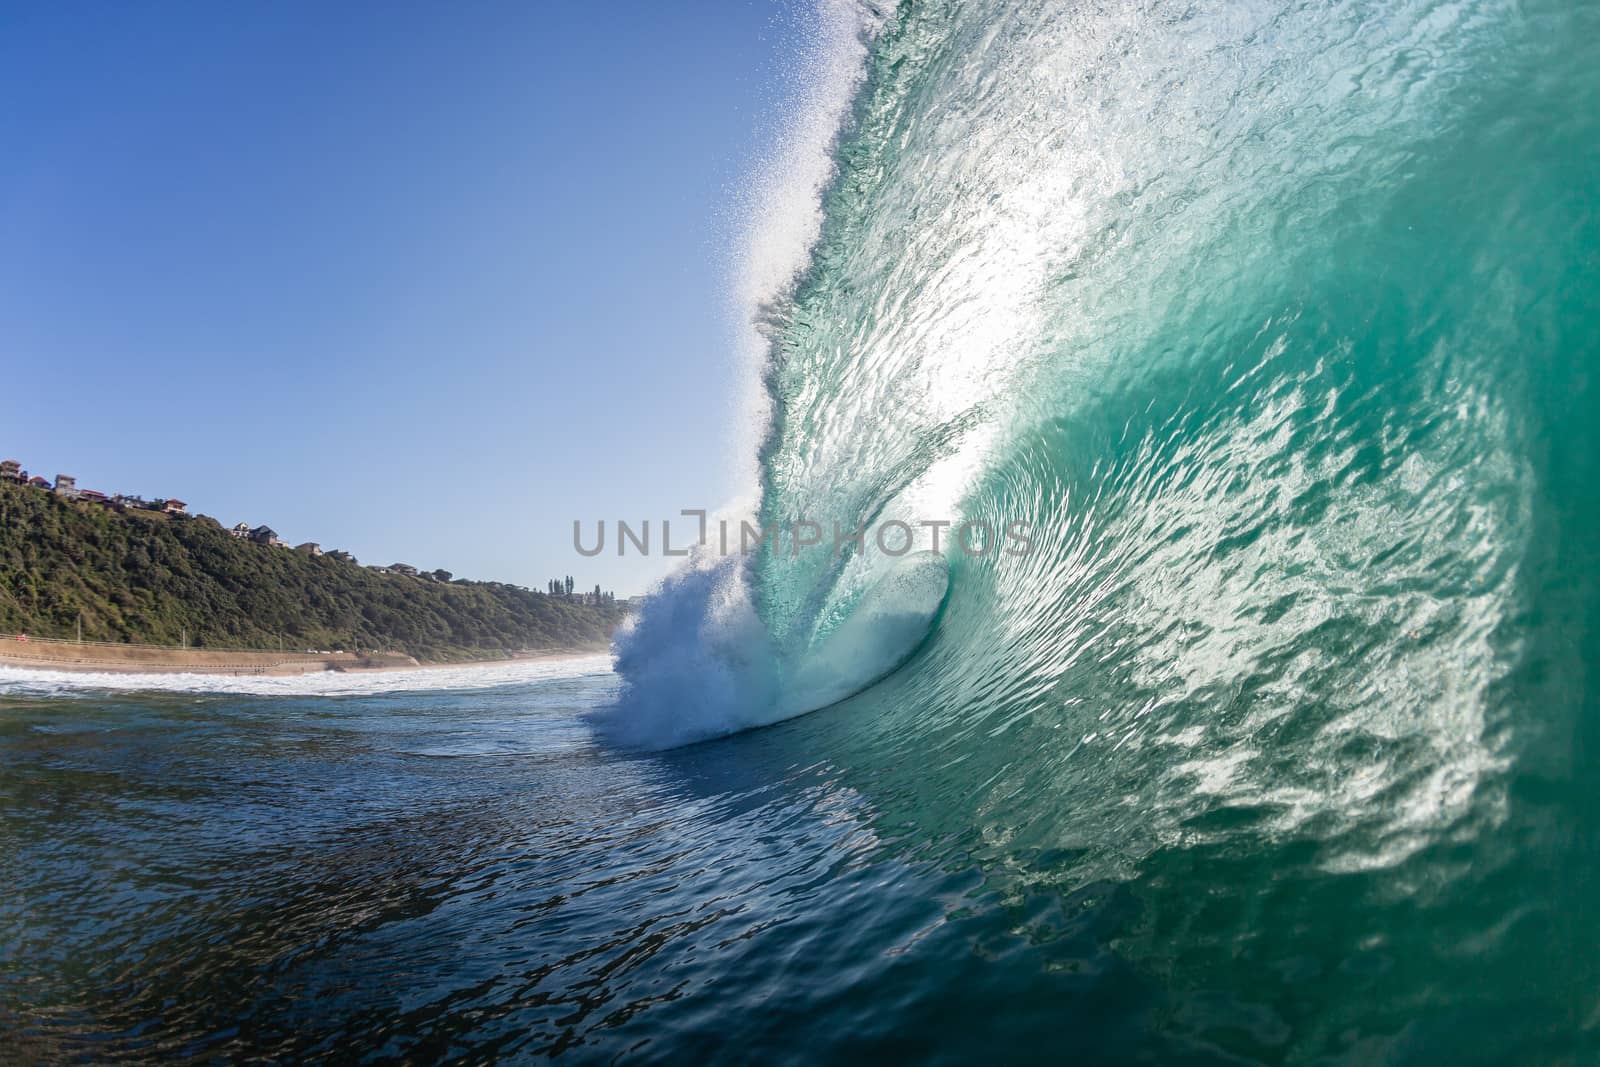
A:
x: 1276, y: 326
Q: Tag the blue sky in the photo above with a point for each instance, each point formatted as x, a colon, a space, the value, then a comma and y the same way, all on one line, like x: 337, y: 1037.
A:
x: 425, y: 282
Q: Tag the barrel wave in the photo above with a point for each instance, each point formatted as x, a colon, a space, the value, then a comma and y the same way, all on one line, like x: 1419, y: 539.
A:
x: 1272, y: 325
x: 1276, y: 326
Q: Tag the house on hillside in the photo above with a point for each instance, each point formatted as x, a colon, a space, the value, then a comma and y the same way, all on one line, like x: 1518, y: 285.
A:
x: 11, y: 470
x: 310, y: 548
x: 93, y: 496
x: 39, y: 483
x: 403, y: 568
x: 137, y: 502
x: 241, y: 531
x: 341, y: 555
x: 265, y: 535
x: 66, y: 486
x: 176, y: 507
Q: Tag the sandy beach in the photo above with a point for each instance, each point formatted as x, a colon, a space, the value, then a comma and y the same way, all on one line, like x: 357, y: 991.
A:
x: 40, y: 654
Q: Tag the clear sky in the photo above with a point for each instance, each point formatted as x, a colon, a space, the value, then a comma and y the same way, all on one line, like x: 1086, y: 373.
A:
x: 425, y: 282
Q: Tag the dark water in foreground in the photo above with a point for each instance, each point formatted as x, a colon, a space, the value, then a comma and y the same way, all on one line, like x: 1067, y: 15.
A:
x: 464, y: 877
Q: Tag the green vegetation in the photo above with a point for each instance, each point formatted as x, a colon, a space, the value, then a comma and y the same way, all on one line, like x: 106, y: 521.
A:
x: 142, y: 577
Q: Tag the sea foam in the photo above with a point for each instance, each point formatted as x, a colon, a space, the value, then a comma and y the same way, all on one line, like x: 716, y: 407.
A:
x: 29, y: 682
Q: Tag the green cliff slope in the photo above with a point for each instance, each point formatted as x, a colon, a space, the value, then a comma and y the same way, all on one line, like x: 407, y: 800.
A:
x: 140, y: 577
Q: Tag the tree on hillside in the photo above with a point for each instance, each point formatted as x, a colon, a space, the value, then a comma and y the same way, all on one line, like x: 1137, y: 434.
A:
x: 133, y: 579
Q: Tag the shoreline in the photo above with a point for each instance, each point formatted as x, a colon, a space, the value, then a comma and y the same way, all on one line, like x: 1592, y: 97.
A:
x: 161, y: 662
x: 532, y: 656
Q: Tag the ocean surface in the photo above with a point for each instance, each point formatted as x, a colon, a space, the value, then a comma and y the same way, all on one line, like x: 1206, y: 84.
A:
x: 1275, y: 326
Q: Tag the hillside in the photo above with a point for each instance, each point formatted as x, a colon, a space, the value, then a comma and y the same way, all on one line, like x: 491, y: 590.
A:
x: 144, y: 577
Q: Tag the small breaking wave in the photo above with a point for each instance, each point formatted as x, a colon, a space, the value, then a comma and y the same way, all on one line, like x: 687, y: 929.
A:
x: 16, y: 681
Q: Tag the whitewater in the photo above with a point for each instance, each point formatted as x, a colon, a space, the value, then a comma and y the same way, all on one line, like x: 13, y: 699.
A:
x: 64, y: 684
